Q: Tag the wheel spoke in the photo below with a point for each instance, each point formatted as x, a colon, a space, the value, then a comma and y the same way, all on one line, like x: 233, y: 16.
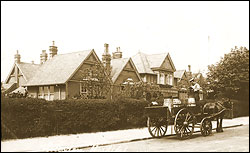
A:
x: 181, y: 128
x: 188, y: 114
x: 185, y: 132
x: 189, y: 129
x: 155, y: 132
x: 153, y: 129
x: 188, y: 118
x: 160, y: 131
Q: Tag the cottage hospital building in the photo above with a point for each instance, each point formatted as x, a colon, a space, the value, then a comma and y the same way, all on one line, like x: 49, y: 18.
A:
x: 57, y: 77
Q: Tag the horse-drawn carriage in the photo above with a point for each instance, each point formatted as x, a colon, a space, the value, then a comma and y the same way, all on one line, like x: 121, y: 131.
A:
x: 184, y: 116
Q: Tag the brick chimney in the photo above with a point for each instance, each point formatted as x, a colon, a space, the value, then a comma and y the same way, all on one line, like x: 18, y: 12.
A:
x: 189, y: 73
x: 53, y: 50
x: 117, y: 54
x: 17, y: 57
x: 189, y: 68
x: 43, y: 57
x: 106, y: 58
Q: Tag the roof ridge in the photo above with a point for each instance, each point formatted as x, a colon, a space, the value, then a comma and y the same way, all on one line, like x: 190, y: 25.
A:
x: 27, y: 63
x: 76, y: 52
x: 143, y: 62
x: 158, y: 53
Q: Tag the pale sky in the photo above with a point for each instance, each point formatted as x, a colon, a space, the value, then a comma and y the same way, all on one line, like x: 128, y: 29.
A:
x: 180, y: 28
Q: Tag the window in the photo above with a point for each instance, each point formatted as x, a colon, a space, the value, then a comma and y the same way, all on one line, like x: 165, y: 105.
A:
x: 167, y: 79
x: 40, y: 93
x: 40, y: 89
x: 83, y: 89
x: 46, y: 93
x: 51, y: 89
x: 46, y: 89
x: 51, y: 93
x: 170, y: 79
x: 162, y: 78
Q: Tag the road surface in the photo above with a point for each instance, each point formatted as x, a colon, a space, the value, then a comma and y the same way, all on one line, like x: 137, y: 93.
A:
x: 234, y: 139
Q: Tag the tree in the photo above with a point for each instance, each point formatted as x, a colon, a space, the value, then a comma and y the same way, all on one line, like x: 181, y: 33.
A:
x: 227, y: 75
x: 141, y: 90
x: 96, y: 82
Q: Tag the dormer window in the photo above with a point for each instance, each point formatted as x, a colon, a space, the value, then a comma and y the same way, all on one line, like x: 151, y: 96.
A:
x: 162, y: 78
x: 169, y: 79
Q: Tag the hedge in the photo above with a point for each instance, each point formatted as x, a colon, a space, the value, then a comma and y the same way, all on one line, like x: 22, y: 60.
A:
x: 24, y: 118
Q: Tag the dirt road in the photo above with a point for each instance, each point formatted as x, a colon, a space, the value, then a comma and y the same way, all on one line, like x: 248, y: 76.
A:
x: 231, y: 140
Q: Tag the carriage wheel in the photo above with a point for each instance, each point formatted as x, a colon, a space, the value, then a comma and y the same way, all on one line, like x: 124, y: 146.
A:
x: 157, y: 127
x: 206, y: 127
x: 184, y: 124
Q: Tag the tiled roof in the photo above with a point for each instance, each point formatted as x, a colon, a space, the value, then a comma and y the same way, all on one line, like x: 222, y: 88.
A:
x: 155, y: 60
x: 58, y: 69
x: 196, y: 75
x: 144, y: 62
x: 117, y: 66
x: 28, y: 69
x: 7, y: 86
x: 179, y: 73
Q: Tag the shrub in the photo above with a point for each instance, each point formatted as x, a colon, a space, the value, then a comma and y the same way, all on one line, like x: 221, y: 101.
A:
x: 23, y: 118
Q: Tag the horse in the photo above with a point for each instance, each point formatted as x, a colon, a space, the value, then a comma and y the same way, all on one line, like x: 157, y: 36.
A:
x: 217, y: 111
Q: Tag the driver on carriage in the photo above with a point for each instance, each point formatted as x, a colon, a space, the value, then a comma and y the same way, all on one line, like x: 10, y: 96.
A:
x: 196, y: 88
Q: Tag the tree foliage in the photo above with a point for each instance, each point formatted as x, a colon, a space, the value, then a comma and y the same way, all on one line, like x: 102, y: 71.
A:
x: 96, y: 82
x: 227, y: 75
x: 140, y: 90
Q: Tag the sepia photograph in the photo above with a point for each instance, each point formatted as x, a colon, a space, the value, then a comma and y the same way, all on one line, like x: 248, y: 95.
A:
x: 124, y: 76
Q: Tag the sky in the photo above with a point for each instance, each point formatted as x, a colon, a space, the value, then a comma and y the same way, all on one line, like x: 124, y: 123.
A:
x: 180, y: 28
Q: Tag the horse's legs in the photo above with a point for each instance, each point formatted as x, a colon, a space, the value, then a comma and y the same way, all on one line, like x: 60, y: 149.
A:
x: 221, y: 129
x: 218, y: 125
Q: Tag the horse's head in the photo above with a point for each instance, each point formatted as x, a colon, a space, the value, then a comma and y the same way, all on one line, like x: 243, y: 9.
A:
x: 226, y: 103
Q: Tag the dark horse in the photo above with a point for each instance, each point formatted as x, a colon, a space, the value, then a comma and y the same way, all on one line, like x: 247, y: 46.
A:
x: 217, y: 110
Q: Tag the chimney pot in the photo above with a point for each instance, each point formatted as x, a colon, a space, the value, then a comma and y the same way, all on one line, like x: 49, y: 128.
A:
x: 106, y: 49
x: 117, y: 54
x: 53, y: 49
x: 17, y: 57
x: 43, y: 57
x: 106, y: 58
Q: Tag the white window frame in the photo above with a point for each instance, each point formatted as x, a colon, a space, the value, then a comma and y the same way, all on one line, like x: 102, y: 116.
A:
x: 81, y: 87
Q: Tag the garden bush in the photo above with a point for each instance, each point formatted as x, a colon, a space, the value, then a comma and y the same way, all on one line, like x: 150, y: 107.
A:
x: 24, y: 118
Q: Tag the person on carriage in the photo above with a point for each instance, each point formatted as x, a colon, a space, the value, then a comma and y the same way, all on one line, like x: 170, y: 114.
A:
x: 196, y: 88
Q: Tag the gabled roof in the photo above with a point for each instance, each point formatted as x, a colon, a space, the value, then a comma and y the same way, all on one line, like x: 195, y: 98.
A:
x: 197, y: 75
x: 179, y: 73
x: 7, y: 86
x: 144, y: 63
x: 26, y: 69
x: 118, y: 66
x: 155, y: 60
x: 58, y: 69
